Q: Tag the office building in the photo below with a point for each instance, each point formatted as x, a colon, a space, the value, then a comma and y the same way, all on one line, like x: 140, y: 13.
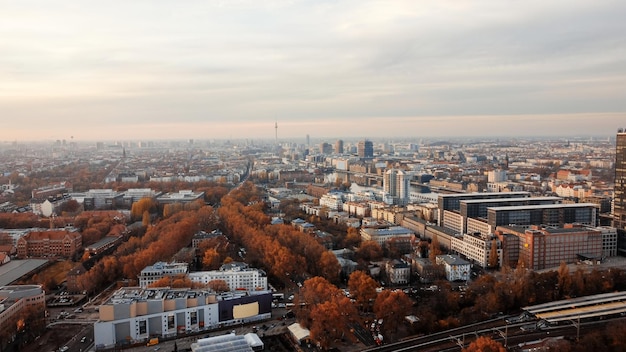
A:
x: 453, y: 201
x: 182, y: 197
x: 555, y: 215
x: 325, y: 148
x: 14, y: 300
x: 546, y: 247
x: 339, y: 147
x: 365, y: 149
x: 472, y: 215
x: 134, y: 315
x: 476, y: 248
x: 619, y: 191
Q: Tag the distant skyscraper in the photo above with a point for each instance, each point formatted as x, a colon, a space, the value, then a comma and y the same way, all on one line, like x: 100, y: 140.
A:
x: 325, y: 148
x: 339, y: 147
x: 619, y: 192
x: 365, y: 149
x: 308, y: 140
x: 396, y: 183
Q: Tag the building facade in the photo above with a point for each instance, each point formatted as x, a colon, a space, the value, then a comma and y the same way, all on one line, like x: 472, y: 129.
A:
x: 159, y: 270
x: 543, y: 248
x: 49, y: 243
x: 398, y: 272
x: 456, y: 268
x: 402, y: 237
x: 15, y: 298
x: 397, y: 183
x: 133, y: 315
x: 365, y: 149
x: 237, y: 275
x: 332, y: 201
x: 453, y: 201
x: 477, y: 249
x: 555, y: 215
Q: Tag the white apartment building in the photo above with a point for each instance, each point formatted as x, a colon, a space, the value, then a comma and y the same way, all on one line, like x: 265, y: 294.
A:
x: 478, y: 226
x: 476, y: 249
x: 332, y: 201
x: 496, y: 176
x: 398, y: 272
x: 397, y: 184
x: 159, y: 270
x: 453, y: 221
x: 456, y: 268
x: 237, y: 275
x: 358, y: 209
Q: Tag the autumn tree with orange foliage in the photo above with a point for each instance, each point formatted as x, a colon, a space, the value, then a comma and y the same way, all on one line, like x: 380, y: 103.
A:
x: 159, y: 243
x: 211, y: 259
x: 18, y: 221
x: 352, y: 239
x: 323, y: 309
x: 281, y: 250
x: 140, y: 207
x: 218, y: 286
x: 392, y: 306
x: 485, y: 344
x: 363, y: 289
x: 434, y: 249
x: 176, y: 281
x: 369, y: 251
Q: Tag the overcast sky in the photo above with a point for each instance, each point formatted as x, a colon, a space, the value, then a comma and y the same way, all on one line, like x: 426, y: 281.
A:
x: 232, y: 68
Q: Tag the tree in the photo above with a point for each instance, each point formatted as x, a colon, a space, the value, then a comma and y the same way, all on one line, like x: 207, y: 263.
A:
x: 314, y: 292
x: 493, y: 254
x: 218, y: 286
x: 145, y: 219
x: 331, y: 321
x: 369, y: 250
x: 352, y: 238
x: 329, y: 266
x: 363, y: 289
x: 485, y: 344
x: 211, y: 259
x: 564, y: 280
x: 435, y: 249
x: 71, y: 206
x: 141, y: 206
x: 392, y: 306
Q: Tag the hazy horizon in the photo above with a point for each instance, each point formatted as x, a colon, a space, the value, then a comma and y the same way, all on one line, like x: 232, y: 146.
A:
x: 157, y: 70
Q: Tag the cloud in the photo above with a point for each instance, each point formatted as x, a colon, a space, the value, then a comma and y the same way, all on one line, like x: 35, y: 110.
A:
x: 153, y: 62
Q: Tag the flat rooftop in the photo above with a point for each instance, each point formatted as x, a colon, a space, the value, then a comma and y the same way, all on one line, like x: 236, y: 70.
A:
x: 523, y: 199
x: 15, y: 269
x: 544, y: 206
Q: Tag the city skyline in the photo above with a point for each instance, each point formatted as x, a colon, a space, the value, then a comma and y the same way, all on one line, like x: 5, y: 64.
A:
x: 232, y: 69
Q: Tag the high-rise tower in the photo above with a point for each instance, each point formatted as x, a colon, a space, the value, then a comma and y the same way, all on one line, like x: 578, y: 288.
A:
x: 365, y: 149
x: 339, y: 147
x: 619, y: 192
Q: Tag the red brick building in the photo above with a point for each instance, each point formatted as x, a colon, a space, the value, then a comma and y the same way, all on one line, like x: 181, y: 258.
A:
x: 49, y: 243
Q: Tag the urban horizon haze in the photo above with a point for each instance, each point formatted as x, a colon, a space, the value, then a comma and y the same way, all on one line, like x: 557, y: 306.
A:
x: 231, y: 69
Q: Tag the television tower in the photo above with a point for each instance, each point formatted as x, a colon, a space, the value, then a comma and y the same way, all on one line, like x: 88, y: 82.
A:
x: 276, y: 131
